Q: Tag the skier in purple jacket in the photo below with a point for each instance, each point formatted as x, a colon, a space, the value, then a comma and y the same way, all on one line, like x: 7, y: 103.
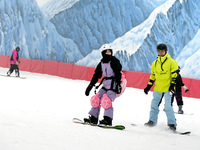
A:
x: 14, y: 62
x: 111, y: 68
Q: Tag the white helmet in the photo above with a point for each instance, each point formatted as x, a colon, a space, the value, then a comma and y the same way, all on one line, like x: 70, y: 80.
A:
x: 105, y: 47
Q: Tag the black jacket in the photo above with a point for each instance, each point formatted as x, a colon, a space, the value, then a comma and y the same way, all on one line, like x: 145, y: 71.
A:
x: 179, y: 83
x: 115, y: 65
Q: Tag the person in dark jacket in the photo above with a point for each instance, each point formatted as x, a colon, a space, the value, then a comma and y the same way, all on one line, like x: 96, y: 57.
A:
x: 14, y: 62
x: 178, y: 92
x: 110, y: 68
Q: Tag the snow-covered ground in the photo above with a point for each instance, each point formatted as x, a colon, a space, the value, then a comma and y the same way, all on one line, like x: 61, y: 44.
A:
x: 36, y: 114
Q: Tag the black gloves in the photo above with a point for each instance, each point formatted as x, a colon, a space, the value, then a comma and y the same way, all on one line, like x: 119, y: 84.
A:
x: 186, y: 89
x: 172, y: 88
x: 88, y: 89
x: 118, y: 88
x: 147, y: 89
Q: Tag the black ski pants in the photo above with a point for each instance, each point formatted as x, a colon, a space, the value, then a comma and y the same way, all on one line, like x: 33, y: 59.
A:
x: 178, y: 96
x: 12, y: 68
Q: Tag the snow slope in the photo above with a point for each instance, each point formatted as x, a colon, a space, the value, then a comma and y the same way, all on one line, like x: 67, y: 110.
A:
x: 37, y: 112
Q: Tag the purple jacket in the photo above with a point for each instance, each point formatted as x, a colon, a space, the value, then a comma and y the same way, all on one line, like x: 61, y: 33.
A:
x: 107, y: 72
x: 14, y: 57
x: 108, y: 69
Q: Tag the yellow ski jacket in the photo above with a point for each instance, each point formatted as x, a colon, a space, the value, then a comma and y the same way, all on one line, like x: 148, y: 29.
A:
x: 163, y: 72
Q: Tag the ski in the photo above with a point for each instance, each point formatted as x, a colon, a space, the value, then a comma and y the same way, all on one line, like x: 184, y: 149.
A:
x: 182, y: 133
x: 184, y: 113
x: 181, y: 114
x: 118, y: 127
x: 176, y: 132
x: 12, y: 76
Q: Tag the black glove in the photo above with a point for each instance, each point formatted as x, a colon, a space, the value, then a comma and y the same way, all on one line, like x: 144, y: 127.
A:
x: 187, y: 90
x: 88, y: 89
x: 147, y: 89
x: 118, y: 88
x: 172, y: 88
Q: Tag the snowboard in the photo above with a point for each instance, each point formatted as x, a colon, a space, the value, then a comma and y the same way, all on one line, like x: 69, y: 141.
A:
x: 176, y: 132
x: 13, y: 76
x: 184, y: 113
x: 182, y: 133
x: 118, y: 127
x: 181, y: 114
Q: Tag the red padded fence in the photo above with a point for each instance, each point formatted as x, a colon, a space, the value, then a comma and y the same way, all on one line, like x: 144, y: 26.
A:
x: 71, y: 71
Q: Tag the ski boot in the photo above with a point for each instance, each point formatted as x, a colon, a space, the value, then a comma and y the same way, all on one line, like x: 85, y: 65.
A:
x: 180, y: 111
x: 150, y: 124
x: 91, y: 120
x: 8, y: 73
x: 172, y: 127
x: 17, y: 73
x: 106, y: 121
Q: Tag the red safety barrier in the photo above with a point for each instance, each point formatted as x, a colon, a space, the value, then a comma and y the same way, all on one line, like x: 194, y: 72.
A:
x: 71, y: 71
x: 25, y: 64
x: 4, y: 61
x: 50, y: 67
x: 193, y: 86
x: 65, y: 70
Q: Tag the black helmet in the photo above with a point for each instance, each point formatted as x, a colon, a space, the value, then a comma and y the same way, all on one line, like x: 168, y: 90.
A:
x: 17, y: 49
x: 161, y: 47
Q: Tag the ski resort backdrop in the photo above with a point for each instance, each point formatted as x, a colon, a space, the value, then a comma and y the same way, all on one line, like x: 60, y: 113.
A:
x: 72, y: 32
x: 63, y: 38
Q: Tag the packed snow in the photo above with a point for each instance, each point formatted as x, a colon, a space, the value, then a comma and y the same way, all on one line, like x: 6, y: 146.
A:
x: 37, y: 113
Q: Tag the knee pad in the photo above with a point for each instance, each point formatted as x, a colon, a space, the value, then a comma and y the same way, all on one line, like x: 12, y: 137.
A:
x: 106, y: 102
x: 95, y: 100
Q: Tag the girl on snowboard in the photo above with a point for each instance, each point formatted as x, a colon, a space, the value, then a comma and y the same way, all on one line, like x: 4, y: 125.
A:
x: 111, y: 68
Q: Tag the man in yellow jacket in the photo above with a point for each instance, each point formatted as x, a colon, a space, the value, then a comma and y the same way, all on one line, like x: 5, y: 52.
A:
x: 163, y: 73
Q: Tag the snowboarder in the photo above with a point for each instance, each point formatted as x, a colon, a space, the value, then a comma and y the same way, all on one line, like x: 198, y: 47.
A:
x: 111, y: 68
x: 14, y: 62
x: 164, y: 73
x: 178, y: 92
